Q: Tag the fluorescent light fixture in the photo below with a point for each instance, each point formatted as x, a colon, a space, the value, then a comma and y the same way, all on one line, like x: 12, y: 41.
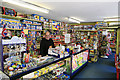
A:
x: 39, y: 4
x: 112, y: 17
x: 76, y: 19
x: 27, y: 5
x: 73, y: 20
x: 114, y: 23
x: 111, y: 20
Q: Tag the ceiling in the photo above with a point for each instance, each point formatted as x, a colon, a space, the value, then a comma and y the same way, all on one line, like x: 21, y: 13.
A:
x: 88, y: 11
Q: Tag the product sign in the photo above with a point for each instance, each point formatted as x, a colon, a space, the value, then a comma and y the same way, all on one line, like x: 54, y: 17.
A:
x: 105, y: 32
x: 67, y: 38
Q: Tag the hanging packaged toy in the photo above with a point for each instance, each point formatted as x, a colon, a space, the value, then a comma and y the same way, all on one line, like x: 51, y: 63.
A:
x: 26, y: 58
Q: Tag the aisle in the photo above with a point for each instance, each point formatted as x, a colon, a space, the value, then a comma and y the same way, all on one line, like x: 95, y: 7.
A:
x: 104, y: 69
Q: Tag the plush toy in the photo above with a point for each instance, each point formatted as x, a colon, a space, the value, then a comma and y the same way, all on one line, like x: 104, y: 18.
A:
x: 23, y: 47
x: 17, y: 48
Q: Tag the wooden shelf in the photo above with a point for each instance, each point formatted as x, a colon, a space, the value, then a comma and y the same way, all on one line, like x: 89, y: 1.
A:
x: 87, y: 30
x: 12, y: 29
x: 46, y: 28
x: 62, y: 30
x: 17, y: 18
x: 108, y: 27
x: 31, y: 24
x: 23, y: 29
x: 33, y: 30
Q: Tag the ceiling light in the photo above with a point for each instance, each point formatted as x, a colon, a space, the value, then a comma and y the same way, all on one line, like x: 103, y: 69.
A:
x: 114, y: 23
x: 112, y: 17
x: 27, y: 5
x: 76, y: 19
x: 111, y: 20
x: 73, y: 20
x: 39, y: 4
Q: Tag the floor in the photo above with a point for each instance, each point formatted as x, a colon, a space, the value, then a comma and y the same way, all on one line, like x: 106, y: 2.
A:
x: 103, y: 69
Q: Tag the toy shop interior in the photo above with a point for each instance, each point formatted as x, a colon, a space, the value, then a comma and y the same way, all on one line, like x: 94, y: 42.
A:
x: 59, y: 40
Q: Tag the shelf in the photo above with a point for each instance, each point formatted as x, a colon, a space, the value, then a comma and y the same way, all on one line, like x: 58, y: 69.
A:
x: 31, y: 24
x: 46, y: 28
x: 61, y: 30
x: 13, y: 43
x: 17, y: 18
x: 33, y: 30
x: 87, y: 30
x: 23, y: 29
x: 108, y: 27
x: 13, y: 52
x: 81, y: 51
x: 12, y: 29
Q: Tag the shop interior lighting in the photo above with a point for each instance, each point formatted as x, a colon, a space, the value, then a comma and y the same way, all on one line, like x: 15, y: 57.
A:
x: 105, y: 20
x: 27, y: 5
x: 74, y: 20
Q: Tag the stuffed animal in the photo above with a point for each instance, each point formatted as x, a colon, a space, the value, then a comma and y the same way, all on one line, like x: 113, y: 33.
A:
x: 17, y: 48
x: 6, y: 49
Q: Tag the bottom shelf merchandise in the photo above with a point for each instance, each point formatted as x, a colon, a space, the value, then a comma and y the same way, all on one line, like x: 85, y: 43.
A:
x: 59, y: 70
x: 53, y: 76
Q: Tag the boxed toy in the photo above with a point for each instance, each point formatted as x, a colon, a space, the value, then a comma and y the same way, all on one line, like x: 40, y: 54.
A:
x: 8, y: 11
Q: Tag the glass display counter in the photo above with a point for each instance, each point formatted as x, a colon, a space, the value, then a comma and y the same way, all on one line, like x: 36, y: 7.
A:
x: 48, y: 67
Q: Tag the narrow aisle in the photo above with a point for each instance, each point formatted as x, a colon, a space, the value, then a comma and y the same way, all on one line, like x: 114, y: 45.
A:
x: 104, y: 69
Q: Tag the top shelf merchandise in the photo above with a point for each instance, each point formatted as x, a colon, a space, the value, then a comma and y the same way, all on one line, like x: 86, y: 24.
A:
x: 85, y: 27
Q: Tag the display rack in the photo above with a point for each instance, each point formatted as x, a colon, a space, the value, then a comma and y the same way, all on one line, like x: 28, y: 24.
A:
x: 114, y: 36
x: 87, y: 36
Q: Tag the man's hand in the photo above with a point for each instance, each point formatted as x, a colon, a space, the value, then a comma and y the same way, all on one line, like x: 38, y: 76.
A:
x: 39, y: 56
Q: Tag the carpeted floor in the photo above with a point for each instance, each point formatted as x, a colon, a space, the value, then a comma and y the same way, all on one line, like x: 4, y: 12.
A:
x: 103, y: 69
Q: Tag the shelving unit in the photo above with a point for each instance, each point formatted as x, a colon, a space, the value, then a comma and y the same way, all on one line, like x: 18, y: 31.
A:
x: 87, y: 38
x: 114, y: 36
x: 87, y: 30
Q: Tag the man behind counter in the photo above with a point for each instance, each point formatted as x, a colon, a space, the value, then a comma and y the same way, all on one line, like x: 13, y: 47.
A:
x: 45, y: 44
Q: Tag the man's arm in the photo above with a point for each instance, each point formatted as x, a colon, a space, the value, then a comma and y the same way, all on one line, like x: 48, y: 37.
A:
x: 41, y: 47
x: 53, y: 46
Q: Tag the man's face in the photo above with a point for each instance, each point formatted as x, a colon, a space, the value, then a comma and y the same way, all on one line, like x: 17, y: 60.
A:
x: 47, y: 35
